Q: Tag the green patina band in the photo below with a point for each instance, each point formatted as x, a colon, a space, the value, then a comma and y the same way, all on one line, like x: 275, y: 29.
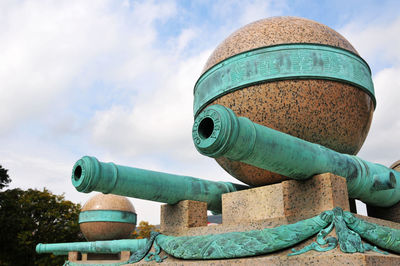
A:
x: 282, y: 62
x: 107, y: 216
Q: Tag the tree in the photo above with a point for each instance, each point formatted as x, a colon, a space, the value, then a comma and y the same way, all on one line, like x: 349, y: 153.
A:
x: 31, y: 217
x: 143, y: 230
x: 4, y: 178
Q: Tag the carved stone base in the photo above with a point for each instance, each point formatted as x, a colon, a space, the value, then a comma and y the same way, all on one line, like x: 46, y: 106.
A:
x: 271, y: 206
x: 333, y: 257
x: 258, y: 208
x: 267, y: 207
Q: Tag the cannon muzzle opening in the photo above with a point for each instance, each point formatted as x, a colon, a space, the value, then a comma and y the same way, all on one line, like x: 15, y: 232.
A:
x: 77, y: 173
x: 206, y: 128
x: 215, y: 131
x: 85, y: 174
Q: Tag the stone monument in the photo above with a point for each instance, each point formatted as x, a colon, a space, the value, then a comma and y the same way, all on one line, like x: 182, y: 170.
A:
x: 107, y: 217
x: 283, y: 105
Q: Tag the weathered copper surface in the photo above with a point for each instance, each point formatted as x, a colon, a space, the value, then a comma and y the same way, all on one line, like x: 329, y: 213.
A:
x: 89, y: 174
x: 94, y: 231
x: 282, y: 62
x: 390, y: 213
x: 334, y: 114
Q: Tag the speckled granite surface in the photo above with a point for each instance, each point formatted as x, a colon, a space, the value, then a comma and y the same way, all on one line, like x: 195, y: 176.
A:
x: 183, y: 216
x: 277, y: 30
x: 264, y: 207
x: 330, y: 113
x: 95, y: 231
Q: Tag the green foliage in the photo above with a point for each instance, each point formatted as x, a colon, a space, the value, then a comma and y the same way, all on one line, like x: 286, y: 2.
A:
x: 143, y: 230
x: 4, y: 178
x: 31, y: 217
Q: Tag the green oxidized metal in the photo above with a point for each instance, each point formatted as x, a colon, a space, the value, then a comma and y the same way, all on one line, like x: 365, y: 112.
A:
x: 89, y: 175
x: 382, y: 236
x: 281, y: 62
x: 217, y: 132
x: 107, y: 216
x: 349, y: 233
x: 105, y: 247
x: 242, y: 244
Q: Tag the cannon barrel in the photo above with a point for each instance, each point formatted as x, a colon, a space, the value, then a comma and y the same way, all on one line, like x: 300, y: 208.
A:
x: 89, y: 175
x: 104, y: 247
x: 218, y: 132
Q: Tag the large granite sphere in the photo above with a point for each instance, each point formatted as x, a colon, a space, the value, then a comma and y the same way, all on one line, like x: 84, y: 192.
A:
x: 107, y: 217
x: 332, y: 113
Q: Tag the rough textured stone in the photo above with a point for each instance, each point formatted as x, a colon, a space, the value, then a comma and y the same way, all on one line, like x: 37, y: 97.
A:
x: 74, y: 256
x: 273, y: 31
x: 253, y: 205
x: 333, y: 257
x: 291, y: 199
x: 260, y: 210
x: 389, y: 213
x: 331, y: 113
x: 182, y: 216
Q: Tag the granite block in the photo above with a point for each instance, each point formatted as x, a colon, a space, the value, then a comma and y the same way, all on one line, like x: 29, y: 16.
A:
x: 292, y: 200
x: 253, y: 204
x: 332, y: 257
x: 74, y: 256
x: 183, y: 215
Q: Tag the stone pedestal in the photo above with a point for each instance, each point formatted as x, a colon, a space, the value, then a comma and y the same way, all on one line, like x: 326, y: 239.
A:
x: 258, y: 208
x: 291, y: 200
x: 183, y: 216
x: 267, y: 207
x: 98, y: 259
x: 333, y: 257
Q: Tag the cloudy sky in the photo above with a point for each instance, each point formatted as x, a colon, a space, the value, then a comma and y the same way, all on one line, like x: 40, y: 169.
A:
x: 114, y: 79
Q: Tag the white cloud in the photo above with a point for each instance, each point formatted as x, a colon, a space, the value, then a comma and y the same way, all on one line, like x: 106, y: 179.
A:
x: 54, y: 55
x: 382, y: 144
x: 101, y: 79
x: 259, y: 9
x: 378, y: 44
x: 50, y: 50
x: 158, y: 122
x: 185, y: 38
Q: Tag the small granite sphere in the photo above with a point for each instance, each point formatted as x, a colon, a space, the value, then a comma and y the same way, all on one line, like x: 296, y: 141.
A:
x: 107, y: 217
x: 316, y: 86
